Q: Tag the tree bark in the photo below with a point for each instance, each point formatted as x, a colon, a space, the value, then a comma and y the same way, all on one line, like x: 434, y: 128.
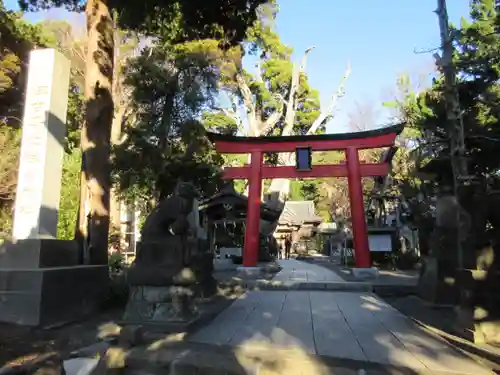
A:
x: 453, y: 113
x: 96, y: 132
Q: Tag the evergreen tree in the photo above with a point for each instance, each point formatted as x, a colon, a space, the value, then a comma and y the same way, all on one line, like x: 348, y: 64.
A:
x: 476, y: 57
x: 172, y: 86
x: 477, y: 61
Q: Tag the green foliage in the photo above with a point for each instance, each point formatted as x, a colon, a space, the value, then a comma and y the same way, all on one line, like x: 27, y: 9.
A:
x: 179, y: 20
x: 75, y: 116
x: 116, y: 262
x: 9, y: 145
x: 171, y: 87
x: 18, y: 38
x: 70, y: 195
x: 477, y: 61
x: 219, y: 123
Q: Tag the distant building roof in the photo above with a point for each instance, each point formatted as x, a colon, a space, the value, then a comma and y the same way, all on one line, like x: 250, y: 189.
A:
x: 298, y: 213
x: 231, y: 205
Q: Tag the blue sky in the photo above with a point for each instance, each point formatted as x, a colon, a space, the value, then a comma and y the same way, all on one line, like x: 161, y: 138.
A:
x: 378, y: 37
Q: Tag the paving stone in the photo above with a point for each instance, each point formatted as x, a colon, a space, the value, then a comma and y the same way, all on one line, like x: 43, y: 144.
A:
x: 225, y: 325
x: 332, y: 335
x: 340, y: 324
x: 295, y: 323
x: 262, y: 322
x: 194, y: 362
x: 436, y: 354
x: 381, y: 346
x: 271, y: 359
x: 80, y: 366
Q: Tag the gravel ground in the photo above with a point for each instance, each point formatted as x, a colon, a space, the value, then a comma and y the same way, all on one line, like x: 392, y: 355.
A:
x: 19, y: 344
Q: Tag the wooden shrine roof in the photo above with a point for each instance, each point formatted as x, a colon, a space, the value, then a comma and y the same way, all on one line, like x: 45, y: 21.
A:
x: 232, y: 205
x: 301, y: 138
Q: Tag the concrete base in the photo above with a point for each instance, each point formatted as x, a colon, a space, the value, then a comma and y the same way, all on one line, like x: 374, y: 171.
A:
x: 38, y: 253
x: 249, y: 271
x: 365, y: 273
x: 51, y: 296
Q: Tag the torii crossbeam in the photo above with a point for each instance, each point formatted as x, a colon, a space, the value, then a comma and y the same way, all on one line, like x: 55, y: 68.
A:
x: 350, y: 143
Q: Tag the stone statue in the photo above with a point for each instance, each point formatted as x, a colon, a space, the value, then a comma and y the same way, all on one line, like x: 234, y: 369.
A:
x: 169, y: 269
x: 164, y: 250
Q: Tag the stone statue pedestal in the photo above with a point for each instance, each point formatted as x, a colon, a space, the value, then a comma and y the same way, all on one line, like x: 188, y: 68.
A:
x: 162, y: 291
x: 170, y: 273
x: 166, y: 295
x: 160, y: 305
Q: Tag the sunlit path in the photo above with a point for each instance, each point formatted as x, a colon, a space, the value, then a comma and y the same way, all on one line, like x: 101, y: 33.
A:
x: 296, y: 271
x: 345, y: 325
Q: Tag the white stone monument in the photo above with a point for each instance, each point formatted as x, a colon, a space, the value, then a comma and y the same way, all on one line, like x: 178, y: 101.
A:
x: 41, y: 280
x: 42, y: 151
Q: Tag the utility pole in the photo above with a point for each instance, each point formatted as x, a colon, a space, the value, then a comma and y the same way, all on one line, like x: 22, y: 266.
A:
x: 453, y: 115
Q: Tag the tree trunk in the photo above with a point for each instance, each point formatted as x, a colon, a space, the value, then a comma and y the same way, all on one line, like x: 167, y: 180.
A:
x: 96, y: 132
x: 116, y: 135
x: 81, y: 234
x: 453, y: 111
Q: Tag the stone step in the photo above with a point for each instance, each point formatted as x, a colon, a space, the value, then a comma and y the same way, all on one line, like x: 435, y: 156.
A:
x: 362, y: 287
x: 186, y: 358
x: 191, y: 358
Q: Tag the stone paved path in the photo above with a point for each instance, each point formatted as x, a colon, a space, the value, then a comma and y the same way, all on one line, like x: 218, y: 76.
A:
x: 350, y: 325
x: 295, y: 271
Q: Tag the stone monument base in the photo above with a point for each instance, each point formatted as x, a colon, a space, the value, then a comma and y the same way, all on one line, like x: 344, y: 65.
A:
x: 168, y: 306
x: 51, y: 296
x: 38, y: 253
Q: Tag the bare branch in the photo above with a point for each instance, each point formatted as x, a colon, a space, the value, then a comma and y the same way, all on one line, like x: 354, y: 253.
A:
x: 249, y: 104
x: 304, y: 58
x: 292, y: 95
x: 274, y: 118
x: 425, y: 51
x: 271, y: 121
x: 257, y: 74
x: 229, y: 112
x: 333, y: 103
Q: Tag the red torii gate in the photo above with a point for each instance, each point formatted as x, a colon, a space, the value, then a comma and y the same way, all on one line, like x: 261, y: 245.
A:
x: 350, y: 143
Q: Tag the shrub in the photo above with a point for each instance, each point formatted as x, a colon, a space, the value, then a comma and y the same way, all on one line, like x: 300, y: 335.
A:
x: 116, y: 262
